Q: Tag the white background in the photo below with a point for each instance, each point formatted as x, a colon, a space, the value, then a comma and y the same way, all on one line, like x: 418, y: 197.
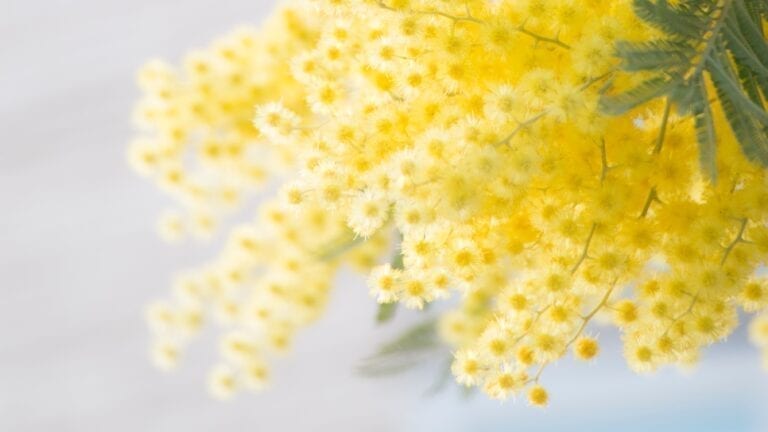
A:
x: 79, y: 259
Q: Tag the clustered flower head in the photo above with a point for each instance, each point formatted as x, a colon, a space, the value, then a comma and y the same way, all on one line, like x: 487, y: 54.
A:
x: 468, y: 136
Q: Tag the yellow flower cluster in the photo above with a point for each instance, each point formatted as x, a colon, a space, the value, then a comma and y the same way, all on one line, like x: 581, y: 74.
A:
x: 198, y: 142
x: 472, y: 130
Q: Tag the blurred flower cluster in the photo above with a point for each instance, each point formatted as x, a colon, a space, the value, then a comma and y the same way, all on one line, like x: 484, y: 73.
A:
x: 467, y: 136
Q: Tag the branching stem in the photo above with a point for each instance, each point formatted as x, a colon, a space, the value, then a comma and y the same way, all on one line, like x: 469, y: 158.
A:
x: 453, y: 18
x: 603, y: 162
x: 469, y: 18
x: 540, y: 38
x: 584, y: 321
x: 739, y: 238
x: 520, y: 126
x: 585, y: 251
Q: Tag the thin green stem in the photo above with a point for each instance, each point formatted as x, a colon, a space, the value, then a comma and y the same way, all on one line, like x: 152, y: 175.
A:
x: 739, y: 238
x: 541, y: 38
x: 453, y: 18
x: 604, y: 168
x: 584, y: 321
x: 520, y: 126
x: 585, y: 251
x: 652, y: 196
x: 663, y: 128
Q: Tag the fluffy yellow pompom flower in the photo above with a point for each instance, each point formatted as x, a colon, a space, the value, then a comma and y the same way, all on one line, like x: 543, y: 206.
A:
x: 471, y: 133
x: 538, y: 396
x: 585, y: 348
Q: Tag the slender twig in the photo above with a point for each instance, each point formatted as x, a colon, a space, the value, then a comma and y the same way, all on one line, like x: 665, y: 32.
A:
x: 592, y: 81
x: 584, y: 321
x: 541, y: 38
x: 663, y: 128
x: 524, y: 124
x: 533, y: 323
x: 453, y: 18
x: 652, y: 196
x: 469, y: 18
x: 739, y: 238
x: 603, y: 162
x: 685, y: 313
x: 585, y: 250
x: 520, y: 126
x: 695, y: 298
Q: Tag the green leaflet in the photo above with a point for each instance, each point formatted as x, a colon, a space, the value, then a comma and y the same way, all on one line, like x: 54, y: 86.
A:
x: 705, y: 135
x: 406, y: 351
x: 748, y: 126
x: 651, y: 55
x: 720, y: 39
x: 672, y: 20
x: 645, y: 92
x: 386, y: 312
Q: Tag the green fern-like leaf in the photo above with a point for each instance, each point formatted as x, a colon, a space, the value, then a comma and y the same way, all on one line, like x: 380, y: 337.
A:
x: 406, y: 351
x: 720, y: 40
x: 647, y: 91
x: 748, y: 125
x: 652, y: 55
x: 386, y: 312
x: 705, y: 134
x: 673, y: 21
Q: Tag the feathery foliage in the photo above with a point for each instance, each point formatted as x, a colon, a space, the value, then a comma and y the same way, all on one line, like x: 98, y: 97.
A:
x: 721, y: 39
x: 406, y: 351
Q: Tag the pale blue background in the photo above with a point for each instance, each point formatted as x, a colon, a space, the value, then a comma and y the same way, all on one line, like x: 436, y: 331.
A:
x: 79, y: 259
